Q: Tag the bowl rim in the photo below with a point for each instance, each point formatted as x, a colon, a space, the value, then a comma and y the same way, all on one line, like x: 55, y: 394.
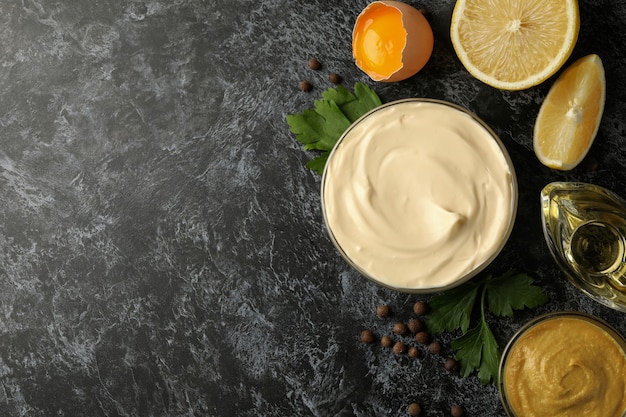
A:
x: 602, y: 324
x: 513, y: 203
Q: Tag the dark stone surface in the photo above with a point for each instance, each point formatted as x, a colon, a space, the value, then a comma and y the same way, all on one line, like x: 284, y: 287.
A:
x: 161, y: 242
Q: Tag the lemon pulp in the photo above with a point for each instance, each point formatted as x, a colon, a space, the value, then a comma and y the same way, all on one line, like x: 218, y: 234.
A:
x: 570, y: 115
x: 516, y: 45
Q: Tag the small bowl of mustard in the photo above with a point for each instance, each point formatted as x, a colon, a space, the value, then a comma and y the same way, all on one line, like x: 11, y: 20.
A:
x: 565, y: 364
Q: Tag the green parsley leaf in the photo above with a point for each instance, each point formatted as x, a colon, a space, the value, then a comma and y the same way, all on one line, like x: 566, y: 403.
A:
x: 308, y: 127
x: 353, y: 106
x: 335, y: 123
x: 340, y: 95
x: 318, y: 163
x: 513, y: 292
x: 367, y: 97
x: 478, y: 350
x: 319, y: 128
x: 452, y: 309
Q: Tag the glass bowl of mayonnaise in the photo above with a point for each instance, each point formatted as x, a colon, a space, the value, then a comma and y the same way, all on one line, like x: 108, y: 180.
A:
x: 567, y: 364
x: 419, y: 195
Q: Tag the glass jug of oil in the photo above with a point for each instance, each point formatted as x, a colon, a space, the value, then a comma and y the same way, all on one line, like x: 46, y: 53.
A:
x: 585, y: 228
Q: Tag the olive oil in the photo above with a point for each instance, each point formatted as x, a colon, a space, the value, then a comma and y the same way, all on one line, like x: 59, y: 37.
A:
x: 585, y: 228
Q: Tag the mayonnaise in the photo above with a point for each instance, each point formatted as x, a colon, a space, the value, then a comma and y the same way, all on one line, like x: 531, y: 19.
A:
x: 418, y: 195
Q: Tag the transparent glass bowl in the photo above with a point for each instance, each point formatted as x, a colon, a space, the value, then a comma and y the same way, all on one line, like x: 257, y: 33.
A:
x: 512, y: 209
x: 548, y: 363
x: 585, y: 229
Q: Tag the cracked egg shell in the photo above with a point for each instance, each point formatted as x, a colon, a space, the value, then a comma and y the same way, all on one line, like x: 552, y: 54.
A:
x: 391, y: 41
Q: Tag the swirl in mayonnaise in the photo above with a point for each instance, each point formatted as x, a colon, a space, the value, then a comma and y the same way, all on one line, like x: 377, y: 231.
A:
x: 419, y: 194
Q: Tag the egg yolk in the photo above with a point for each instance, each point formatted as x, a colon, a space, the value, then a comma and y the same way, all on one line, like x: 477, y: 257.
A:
x: 379, y: 40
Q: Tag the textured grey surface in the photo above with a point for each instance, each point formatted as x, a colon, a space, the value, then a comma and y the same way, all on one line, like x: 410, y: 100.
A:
x: 161, y: 242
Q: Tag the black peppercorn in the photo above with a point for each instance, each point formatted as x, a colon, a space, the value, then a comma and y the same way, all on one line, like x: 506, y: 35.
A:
x: 386, y: 341
x: 414, y: 352
x: 367, y: 336
x: 420, y: 308
x: 399, y: 328
x: 435, y: 348
x: 416, y: 325
x: 456, y: 411
x: 314, y: 64
x: 422, y: 337
x: 383, y: 311
x: 451, y: 365
x: 334, y: 78
x: 306, y: 86
x: 415, y: 410
x: 398, y: 348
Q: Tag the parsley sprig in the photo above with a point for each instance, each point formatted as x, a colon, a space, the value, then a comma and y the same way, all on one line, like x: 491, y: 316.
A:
x: 477, y: 349
x: 319, y: 128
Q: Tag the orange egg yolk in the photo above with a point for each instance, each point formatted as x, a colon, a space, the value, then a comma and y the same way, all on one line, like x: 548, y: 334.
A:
x: 379, y: 40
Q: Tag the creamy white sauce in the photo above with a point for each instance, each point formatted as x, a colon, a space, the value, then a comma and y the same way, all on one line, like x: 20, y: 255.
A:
x: 418, y: 194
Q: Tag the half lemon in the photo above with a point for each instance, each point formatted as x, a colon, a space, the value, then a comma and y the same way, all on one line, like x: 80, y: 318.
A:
x: 514, y: 44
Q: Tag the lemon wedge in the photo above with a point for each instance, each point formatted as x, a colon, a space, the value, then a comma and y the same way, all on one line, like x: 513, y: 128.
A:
x: 569, y: 117
x: 514, y: 44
